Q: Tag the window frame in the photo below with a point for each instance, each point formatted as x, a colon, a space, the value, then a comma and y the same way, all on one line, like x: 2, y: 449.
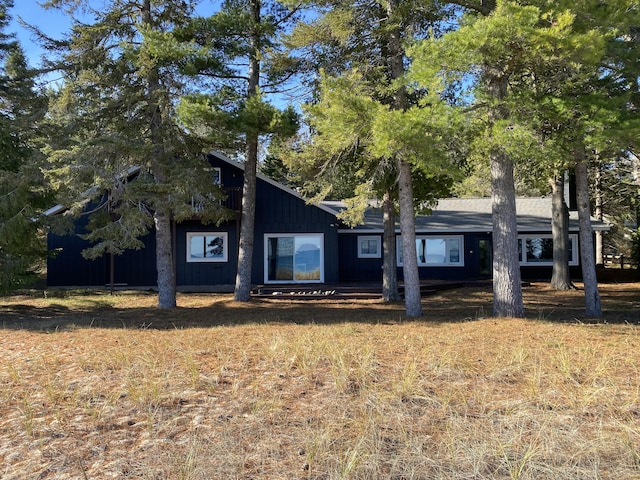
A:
x: 369, y: 238
x: 460, y: 263
x: 216, y: 176
x: 225, y: 252
x: 573, y: 261
x: 268, y: 236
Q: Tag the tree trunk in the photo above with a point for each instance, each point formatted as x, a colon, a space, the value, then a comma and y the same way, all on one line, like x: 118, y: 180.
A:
x: 593, y: 307
x: 242, y: 291
x: 412, y: 300
x: 560, y: 276
x: 165, y: 266
x: 507, y: 283
x: 164, y: 260
x: 389, y: 271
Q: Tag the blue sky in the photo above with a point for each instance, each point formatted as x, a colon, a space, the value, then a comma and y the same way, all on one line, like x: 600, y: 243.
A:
x: 51, y: 22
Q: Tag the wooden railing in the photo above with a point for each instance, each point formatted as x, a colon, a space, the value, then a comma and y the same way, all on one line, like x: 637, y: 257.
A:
x: 233, y: 200
x: 620, y: 261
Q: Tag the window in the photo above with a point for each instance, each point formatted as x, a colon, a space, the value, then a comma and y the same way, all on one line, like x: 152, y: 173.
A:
x: 294, y: 258
x: 538, y: 249
x: 369, y: 247
x: 217, y: 175
x: 436, y: 251
x: 206, y: 247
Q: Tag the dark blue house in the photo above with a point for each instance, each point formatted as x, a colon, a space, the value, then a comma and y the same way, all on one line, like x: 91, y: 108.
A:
x: 455, y: 241
x: 300, y: 243
x: 294, y: 243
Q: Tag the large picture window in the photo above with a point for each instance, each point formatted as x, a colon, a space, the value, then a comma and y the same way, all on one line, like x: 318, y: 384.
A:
x: 538, y: 249
x: 436, y: 251
x: 207, y: 247
x: 294, y: 258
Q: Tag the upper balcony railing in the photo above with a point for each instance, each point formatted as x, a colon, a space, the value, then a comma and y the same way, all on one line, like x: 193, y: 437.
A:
x: 233, y: 200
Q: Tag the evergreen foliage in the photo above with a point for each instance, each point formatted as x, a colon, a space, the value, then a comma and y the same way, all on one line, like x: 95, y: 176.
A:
x: 23, y: 192
x: 368, y: 129
x: 119, y: 145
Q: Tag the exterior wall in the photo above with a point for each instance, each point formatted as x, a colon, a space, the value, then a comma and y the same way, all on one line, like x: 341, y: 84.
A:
x: 67, y: 266
x: 277, y: 211
x: 354, y: 269
x: 206, y: 273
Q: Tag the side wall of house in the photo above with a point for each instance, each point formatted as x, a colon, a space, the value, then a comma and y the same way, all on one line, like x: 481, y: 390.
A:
x: 67, y: 267
x: 476, y: 264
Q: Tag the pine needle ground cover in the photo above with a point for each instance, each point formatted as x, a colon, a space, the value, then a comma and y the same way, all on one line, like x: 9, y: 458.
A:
x: 94, y: 386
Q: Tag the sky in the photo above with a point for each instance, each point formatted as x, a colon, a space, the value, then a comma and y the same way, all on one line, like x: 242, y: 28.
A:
x: 51, y: 22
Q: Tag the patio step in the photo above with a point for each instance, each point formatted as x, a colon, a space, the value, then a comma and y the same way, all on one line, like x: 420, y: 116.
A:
x: 341, y: 292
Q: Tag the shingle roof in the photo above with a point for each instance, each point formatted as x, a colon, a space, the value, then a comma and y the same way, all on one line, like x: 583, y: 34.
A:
x: 474, y: 215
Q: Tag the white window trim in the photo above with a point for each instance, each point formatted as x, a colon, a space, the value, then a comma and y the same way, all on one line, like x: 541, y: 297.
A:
x: 431, y: 237
x: 217, y: 171
x: 267, y: 236
x: 225, y: 246
x: 368, y: 238
x: 573, y: 261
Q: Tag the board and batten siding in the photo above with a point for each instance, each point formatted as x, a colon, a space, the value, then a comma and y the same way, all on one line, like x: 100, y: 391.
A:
x: 206, y: 273
x: 279, y: 212
x: 355, y: 269
x: 67, y: 266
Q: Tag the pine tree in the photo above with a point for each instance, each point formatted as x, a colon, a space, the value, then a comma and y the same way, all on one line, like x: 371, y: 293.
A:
x: 240, y: 61
x: 115, y: 115
x: 508, y: 48
x: 361, y: 101
x: 23, y: 194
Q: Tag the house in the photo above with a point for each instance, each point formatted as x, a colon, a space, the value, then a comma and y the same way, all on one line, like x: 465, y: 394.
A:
x: 296, y: 242
x: 455, y: 242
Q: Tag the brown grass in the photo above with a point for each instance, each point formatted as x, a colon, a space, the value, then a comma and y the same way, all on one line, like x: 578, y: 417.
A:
x: 94, y: 386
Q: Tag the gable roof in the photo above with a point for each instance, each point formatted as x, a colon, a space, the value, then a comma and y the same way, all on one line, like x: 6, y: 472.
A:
x: 271, y: 181
x: 461, y: 215
x: 60, y: 208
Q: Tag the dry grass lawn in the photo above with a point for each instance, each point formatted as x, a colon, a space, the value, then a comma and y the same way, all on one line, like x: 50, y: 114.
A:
x: 94, y: 386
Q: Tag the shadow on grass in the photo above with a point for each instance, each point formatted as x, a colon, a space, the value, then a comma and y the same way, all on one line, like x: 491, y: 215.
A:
x: 621, y: 304
x: 222, y: 311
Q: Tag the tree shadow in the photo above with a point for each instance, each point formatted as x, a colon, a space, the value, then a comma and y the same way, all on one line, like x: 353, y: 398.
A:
x: 621, y: 305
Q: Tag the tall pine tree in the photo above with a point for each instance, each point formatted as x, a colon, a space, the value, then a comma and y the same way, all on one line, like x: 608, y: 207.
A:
x: 115, y: 115
x: 498, y: 50
x: 365, y: 117
x: 241, y: 64
x: 23, y: 194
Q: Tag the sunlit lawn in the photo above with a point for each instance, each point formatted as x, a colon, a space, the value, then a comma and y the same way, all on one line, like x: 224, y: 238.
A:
x: 99, y: 386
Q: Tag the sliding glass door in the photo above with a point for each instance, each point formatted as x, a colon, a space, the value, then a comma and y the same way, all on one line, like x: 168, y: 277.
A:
x: 294, y: 258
